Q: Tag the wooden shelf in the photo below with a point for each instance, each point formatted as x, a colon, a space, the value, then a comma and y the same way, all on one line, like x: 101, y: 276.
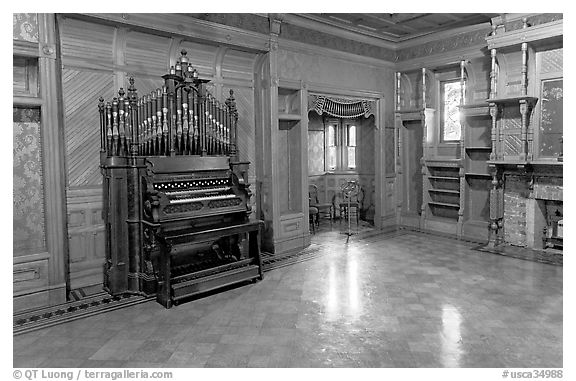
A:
x: 479, y: 148
x: 476, y: 109
x: 444, y: 163
x: 414, y: 115
x: 444, y: 178
x: 440, y: 190
x: 445, y: 204
x: 472, y: 174
x: 546, y: 162
x: 410, y: 111
x: 289, y: 117
x: 554, y: 163
x: 450, y: 191
x: 508, y: 100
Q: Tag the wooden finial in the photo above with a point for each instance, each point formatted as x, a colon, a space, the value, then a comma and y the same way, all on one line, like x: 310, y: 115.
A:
x: 231, y: 103
x: 132, y: 95
x: 183, y: 57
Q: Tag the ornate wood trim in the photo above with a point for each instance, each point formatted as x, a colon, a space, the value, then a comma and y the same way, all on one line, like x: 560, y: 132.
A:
x: 53, y: 155
x: 540, y: 32
x: 341, y: 107
x: 181, y: 25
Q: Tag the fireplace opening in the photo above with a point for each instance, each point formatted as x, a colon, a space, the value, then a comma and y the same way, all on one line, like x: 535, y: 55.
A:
x: 553, y: 231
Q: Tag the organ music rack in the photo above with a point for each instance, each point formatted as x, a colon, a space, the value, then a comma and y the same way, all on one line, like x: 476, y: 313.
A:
x: 176, y: 198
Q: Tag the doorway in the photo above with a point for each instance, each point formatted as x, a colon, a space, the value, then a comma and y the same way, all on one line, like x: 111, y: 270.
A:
x: 340, y: 151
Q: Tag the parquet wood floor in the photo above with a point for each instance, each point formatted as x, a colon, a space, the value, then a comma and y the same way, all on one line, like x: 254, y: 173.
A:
x: 400, y: 300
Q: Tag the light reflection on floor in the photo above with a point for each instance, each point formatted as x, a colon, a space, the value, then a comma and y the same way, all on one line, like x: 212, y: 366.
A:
x: 397, y: 300
x: 451, y: 337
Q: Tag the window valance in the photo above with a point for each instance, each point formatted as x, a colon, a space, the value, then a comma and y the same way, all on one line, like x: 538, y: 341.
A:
x: 340, y: 107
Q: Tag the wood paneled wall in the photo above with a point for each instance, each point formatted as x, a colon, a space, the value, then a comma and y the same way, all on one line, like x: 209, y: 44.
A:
x: 39, y: 234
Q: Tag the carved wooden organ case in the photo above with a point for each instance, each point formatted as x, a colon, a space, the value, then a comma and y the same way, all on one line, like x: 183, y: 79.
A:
x: 176, y: 198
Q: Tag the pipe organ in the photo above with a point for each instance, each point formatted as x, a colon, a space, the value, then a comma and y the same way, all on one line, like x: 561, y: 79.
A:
x: 176, y: 198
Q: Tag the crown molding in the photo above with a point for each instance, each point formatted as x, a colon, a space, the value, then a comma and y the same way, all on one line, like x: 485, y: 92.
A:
x: 301, y: 47
x: 393, y: 42
x: 435, y: 36
x: 171, y: 24
x: 443, y: 59
x: 309, y: 21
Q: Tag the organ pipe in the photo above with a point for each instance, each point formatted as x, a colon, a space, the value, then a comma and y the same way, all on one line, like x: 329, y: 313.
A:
x: 180, y: 118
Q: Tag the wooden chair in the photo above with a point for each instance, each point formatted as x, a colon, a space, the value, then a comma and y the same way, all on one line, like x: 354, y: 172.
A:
x: 313, y: 218
x: 325, y: 209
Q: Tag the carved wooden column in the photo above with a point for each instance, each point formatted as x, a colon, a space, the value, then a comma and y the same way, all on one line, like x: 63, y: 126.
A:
x: 496, y: 207
x: 398, y: 150
x: 53, y: 160
x: 524, y: 92
x: 425, y: 150
x: 523, y: 133
x: 494, y: 155
x: 270, y: 184
x: 493, y: 74
x: 462, y: 171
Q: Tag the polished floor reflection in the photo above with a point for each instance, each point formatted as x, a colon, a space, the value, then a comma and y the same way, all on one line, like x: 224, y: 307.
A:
x: 388, y: 300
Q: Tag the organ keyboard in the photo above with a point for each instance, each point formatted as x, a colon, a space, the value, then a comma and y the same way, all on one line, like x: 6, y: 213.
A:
x: 177, y: 200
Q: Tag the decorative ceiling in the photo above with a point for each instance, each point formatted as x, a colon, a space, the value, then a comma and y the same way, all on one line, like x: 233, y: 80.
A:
x: 397, y: 27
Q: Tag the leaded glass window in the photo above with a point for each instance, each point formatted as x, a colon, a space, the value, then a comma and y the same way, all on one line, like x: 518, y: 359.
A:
x: 451, y: 95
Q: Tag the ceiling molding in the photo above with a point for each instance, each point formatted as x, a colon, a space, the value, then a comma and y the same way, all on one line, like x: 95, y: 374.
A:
x: 301, y: 47
x: 416, y: 41
x: 171, y: 24
x: 443, y: 59
x: 309, y: 21
x: 383, y: 39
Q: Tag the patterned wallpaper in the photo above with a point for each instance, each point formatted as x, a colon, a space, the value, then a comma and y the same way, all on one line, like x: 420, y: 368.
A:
x: 315, y: 153
x: 28, y: 193
x: 25, y: 26
x: 389, y: 150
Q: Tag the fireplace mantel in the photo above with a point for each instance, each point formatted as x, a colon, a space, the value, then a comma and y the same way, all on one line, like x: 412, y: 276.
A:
x: 519, y: 191
x: 527, y: 164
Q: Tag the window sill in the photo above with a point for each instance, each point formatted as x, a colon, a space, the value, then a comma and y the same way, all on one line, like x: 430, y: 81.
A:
x: 449, y: 143
x: 343, y: 172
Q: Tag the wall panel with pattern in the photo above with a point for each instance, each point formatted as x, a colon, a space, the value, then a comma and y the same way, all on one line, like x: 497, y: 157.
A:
x: 28, y: 193
x: 25, y: 27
